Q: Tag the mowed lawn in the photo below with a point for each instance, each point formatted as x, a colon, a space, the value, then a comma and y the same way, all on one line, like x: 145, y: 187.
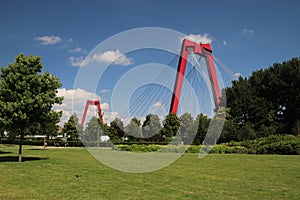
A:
x: 73, y: 173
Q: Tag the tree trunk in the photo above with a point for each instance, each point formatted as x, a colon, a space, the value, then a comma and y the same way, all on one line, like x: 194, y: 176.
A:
x: 20, y: 147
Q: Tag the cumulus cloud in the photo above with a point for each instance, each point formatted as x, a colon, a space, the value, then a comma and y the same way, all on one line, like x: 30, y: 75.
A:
x: 105, y: 106
x: 247, y: 31
x: 77, y: 50
x: 237, y: 75
x: 206, y: 38
x: 115, y: 57
x: 158, y: 109
x: 157, y: 104
x: 76, y: 61
x: 74, y: 102
x: 48, y: 40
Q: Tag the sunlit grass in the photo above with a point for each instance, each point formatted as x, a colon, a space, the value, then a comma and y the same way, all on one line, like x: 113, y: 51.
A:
x: 72, y: 173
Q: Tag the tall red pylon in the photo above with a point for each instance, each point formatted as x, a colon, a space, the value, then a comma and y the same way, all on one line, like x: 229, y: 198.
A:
x: 204, y: 50
x: 94, y: 103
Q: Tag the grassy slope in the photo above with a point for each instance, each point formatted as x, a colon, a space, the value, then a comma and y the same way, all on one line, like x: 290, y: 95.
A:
x: 53, y: 176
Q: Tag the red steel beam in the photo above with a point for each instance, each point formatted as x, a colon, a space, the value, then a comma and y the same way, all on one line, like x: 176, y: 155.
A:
x: 205, y: 51
x: 94, y: 103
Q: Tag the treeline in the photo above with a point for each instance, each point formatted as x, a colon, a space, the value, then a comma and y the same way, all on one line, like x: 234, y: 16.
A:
x: 185, y: 127
x: 267, y: 103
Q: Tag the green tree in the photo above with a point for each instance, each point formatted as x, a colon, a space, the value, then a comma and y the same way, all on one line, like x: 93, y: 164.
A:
x: 187, y: 128
x: 133, y: 130
x: 229, y: 132
x: 171, y: 125
x: 92, y: 132
x: 116, y: 130
x: 268, y: 101
x: 202, y: 123
x: 49, y: 125
x: 26, y: 96
x: 151, y: 126
x: 72, y: 128
x: 246, y: 132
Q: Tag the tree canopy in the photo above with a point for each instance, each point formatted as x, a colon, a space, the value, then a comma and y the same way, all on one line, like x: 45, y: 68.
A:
x: 268, y: 102
x: 72, y: 128
x: 27, y: 96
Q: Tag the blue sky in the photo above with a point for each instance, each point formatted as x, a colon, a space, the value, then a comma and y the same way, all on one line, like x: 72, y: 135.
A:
x: 245, y: 35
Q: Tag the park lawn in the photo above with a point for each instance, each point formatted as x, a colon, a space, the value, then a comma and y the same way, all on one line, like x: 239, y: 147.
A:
x: 51, y: 174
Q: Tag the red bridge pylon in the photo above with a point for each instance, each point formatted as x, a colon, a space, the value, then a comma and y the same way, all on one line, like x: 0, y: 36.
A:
x: 204, y: 50
x: 94, y: 103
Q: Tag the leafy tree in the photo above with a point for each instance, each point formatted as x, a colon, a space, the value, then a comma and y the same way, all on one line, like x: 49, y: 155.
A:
x: 187, y: 128
x: 49, y: 125
x: 72, y: 128
x: 116, y: 129
x: 26, y: 96
x: 246, y: 132
x: 230, y: 128
x: 133, y: 129
x: 92, y: 132
x: 229, y: 132
x: 268, y: 101
x: 202, y: 123
x: 171, y: 125
x: 151, y: 126
x: 296, y: 128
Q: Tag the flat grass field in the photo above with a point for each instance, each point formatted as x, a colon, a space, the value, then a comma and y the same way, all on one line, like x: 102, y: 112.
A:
x: 51, y: 174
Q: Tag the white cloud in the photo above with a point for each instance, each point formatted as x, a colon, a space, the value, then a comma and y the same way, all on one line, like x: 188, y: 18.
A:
x: 76, y: 61
x: 158, y: 109
x: 248, y: 31
x: 224, y: 42
x: 75, y: 101
x: 157, y: 104
x: 48, y: 40
x: 110, y: 116
x: 77, y: 50
x: 206, y: 38
x: 115, y: 57
x: 105, y: 91
x: 237, y: 75
x: 105, y: 106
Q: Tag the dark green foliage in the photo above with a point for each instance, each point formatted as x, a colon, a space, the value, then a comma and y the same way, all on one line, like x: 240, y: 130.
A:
x: 72, y: 128
x: 56, y: 143
x: 203, y: 123
x: 229, y: 132
x: 171, y: 125
x: 26, y: 98
x: 116, y: 130
x: 151, y: 126
x: 273, y: 144
x: 268, y: 102
x: 133, y: 130
x: 93, y: 131
x: 188, y: 128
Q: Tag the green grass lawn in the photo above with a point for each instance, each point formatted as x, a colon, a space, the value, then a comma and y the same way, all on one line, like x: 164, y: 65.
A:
x: 51, y: 174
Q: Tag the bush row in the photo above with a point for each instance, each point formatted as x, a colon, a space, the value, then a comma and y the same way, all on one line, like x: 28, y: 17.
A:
x: 273, y: 144
x: 178, y: 149
x: 61, y: 143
